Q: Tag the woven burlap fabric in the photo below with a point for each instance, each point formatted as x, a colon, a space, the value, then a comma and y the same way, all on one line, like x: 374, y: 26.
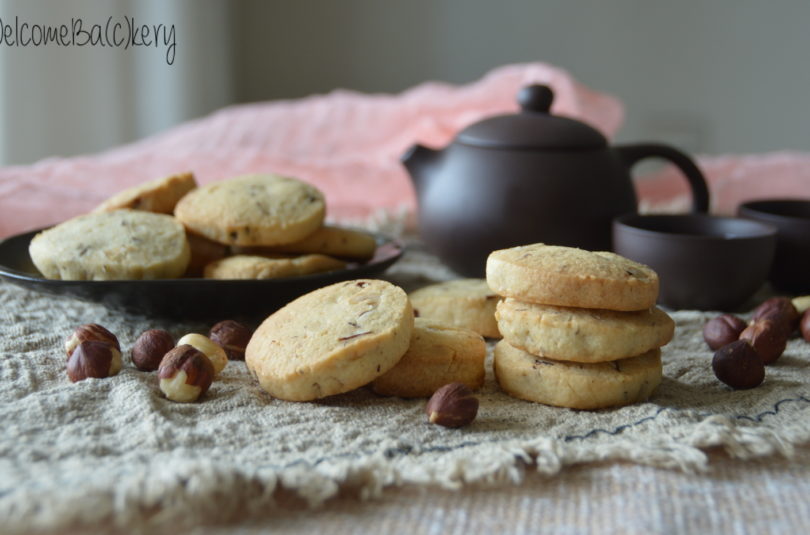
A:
x: 116, y: 451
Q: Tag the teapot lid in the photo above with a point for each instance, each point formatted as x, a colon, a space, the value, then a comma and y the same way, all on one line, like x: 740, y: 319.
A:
x: 533, y: 128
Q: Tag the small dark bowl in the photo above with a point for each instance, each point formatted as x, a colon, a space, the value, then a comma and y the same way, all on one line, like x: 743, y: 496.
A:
x: 703, y: 262
x: 791, y: 263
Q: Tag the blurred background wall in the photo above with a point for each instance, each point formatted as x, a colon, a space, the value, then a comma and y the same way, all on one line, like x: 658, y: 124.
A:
x: 722, y: 76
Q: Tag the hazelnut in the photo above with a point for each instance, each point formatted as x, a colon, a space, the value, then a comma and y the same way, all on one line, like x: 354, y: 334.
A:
x: 149, y: 348
x: 232, y: 336
x: 90, y: 331
x: 185, y: 374
x: 738, y: 365
x: 93, y: 358
x: 781, y: 311
x: 722, y: 330
x: 208, y: 348
x: 452, y: 405
x: 768, y: 339
x: 805, y: 325
x: 802, y: 303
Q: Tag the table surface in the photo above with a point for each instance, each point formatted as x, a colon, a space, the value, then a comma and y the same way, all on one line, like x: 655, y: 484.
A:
x: 757, y: 496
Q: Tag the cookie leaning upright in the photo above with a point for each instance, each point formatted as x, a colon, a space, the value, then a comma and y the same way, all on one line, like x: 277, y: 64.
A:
x: 253, y: 210
x: 565, y: 276
x: 332, y: 340
x: 461, y: 303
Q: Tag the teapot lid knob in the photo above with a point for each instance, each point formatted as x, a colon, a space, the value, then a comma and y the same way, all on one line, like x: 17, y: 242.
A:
x: 535, y: 98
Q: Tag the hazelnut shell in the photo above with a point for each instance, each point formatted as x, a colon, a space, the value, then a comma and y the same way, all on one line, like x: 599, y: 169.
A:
x: 722, y: 330
x: 93, y: 358
x: 90, y: 331
x: 768, y: 338
x: 781, y: 311
x: 198, y: 368
x: 738, y: 365
x: 452, y: 405
x: 149, y: 349
x: 232, y: 336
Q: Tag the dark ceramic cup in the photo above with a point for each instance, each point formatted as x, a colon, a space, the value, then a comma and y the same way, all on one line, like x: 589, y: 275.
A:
x: 791, y: 263
x: 703, y: 262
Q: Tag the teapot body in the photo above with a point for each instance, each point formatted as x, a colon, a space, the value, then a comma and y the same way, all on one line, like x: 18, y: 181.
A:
x: 475, y: 200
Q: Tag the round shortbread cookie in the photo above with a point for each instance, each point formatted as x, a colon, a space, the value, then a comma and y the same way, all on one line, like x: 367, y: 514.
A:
x: 582, y: 334
x: 437, y: 355
x: 124, y: 244
x: 332, y: 340
x: 261, y: 267
x: 159, y: 195
x: 253, y: 210
x: 576, y: 385
x: 462, y: 303
x: 328, y: 240
x: 565, y: 276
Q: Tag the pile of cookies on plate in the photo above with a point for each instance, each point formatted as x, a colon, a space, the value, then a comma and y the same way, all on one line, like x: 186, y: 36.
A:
x: 249, y: 227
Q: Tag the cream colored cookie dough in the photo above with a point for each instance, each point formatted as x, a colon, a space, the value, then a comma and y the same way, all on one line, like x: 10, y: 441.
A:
x: 260, y: 267
x: 158, y: 196
x: 328, y: 240
x: 582, y: 334
x: 462, y: 303
x: 332, y: 340
x: 253, y: 210
x: 576, y: 385
x: 565, y: 276
x: 124, y: 244
x: 437, y: 355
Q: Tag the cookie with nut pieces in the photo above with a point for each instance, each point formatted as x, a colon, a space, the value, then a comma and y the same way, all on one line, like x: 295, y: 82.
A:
x: 331, y: 340
x: 123, y: 244
x: 461, y: 303
x: 437, y: 355
x: 260, y: 267
x: 570, y: 277
x: 582, y: 334
x: 328, y: 240
x: 261, y: 209
x: 573, y: 384
x: 159, y: 195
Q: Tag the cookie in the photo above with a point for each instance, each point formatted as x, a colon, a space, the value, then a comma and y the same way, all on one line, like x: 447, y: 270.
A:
x: 565, y: 276
x: 203, y: 252
x: 261, y: 267
x: 462, y: 303
x: 158, y: 196
x: 573, y: 384
x: 124, y: 244
x: 582, y: 334
x: 437, y: 355
x: 253, y: 210
x: 328, y: 240
x: 332, y: 340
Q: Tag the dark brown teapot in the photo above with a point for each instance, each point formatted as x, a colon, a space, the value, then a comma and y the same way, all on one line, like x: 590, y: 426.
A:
x: 526, y: 178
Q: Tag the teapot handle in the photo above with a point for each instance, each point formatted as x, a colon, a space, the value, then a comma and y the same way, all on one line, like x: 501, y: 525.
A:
x: 632, y: 154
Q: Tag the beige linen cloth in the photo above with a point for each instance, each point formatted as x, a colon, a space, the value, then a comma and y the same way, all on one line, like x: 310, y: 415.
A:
x: 115, y: 451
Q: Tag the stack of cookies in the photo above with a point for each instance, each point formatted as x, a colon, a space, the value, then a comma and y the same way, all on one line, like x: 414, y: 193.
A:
x: 580, y: 329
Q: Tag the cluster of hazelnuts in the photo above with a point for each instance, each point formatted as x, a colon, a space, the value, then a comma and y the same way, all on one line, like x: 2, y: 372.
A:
x: 185, y: 369
x: 744, y: 349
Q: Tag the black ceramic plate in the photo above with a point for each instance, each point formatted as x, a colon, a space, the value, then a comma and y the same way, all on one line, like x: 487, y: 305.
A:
x: 190, y: 299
